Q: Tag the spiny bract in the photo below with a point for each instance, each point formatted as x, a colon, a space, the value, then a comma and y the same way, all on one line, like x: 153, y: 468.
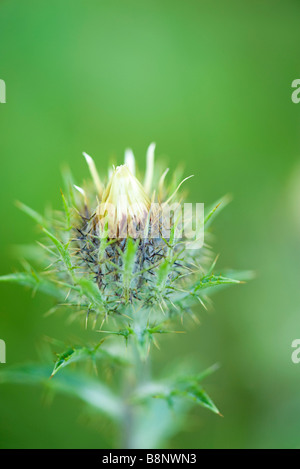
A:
x: 121, y: 249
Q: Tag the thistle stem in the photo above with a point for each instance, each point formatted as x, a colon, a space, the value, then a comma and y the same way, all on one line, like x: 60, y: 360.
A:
x: 140, y: 373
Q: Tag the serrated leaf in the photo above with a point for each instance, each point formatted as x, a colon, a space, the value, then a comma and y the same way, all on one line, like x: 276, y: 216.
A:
x: 72, y: 355
x: 199, y: 396
x: 209, y: 281
x: 78, y: 354
x: 186, y: 387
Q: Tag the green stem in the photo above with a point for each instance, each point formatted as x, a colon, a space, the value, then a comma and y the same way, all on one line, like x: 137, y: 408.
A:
x: 138, y: 375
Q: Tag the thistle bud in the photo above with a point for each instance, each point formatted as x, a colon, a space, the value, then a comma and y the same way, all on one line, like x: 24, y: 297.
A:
x: 129, y: 235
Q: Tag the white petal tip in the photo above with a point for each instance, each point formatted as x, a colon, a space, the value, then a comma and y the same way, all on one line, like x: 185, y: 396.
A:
x: 129, y: 160
x: 87, y: 157
x: 94, y: 172
x: 79, y: 189
x: 151, y: 148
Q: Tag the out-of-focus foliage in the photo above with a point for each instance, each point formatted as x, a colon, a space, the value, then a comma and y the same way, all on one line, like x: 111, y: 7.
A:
x: 210, y: 83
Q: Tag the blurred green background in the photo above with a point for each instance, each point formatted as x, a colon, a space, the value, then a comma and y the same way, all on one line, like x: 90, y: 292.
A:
x: 210, y: 83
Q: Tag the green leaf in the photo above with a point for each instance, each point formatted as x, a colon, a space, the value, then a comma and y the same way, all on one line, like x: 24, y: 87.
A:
x: 78, y: 385
x: 72, y: 355
x: 67, y: 212
x: 199, y: 396
x: 162, y: 274
x: 198, y: 378
x: 186, y: 387
x: 63, y: 251
x: 35, y: 282
x: 128, y: 259
x: 69, y: 185
x: 209, y: 281
x: 78, y: 354
x: 91, y: 291
x: 216, y: 208
x: 129, y: 256
x: 189, y: 387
